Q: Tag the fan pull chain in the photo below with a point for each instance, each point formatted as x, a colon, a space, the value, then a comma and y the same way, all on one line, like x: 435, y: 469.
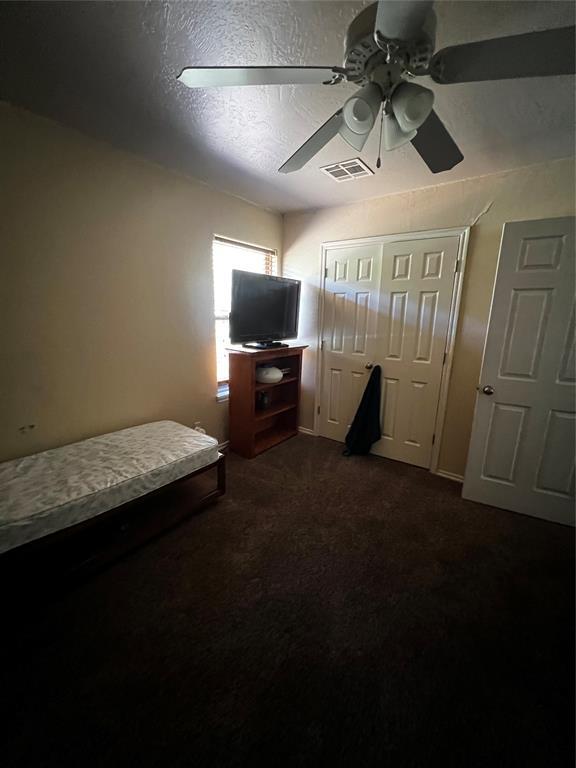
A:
x: 379, y: 161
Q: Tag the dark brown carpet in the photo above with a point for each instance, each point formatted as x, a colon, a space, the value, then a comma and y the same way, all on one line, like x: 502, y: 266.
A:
x: 329, y: 611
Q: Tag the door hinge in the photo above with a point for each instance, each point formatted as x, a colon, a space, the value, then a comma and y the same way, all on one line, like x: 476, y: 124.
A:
x: 318, y: 410
x: 325, y: 271
x: 444, y: 358
x: 457, y: 265
x: 322, y: 344
x: 433, y: 439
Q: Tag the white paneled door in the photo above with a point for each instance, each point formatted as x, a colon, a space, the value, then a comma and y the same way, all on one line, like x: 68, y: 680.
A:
x: 388, y: 303
x: 416, y: 295
x: 351, y: 298
x: 521, y: 453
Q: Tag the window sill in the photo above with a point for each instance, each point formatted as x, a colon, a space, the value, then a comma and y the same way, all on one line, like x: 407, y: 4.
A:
x: 222, y: 393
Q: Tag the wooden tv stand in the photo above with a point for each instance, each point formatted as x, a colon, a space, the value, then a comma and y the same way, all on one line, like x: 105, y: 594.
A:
x: 254, y: 429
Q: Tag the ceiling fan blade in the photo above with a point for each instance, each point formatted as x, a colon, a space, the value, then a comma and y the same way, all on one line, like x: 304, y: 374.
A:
x: 401, y: 20
x: 435, y: 145
x: 534, y: 54
x: 209, y: 77
x: 314, y: 144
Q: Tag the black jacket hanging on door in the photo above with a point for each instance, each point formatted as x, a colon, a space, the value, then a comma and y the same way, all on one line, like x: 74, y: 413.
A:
x: 365, y: 429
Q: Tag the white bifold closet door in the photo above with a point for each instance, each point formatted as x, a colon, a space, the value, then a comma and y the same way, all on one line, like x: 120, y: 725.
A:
x: 521, y: 453
x: 350, y: 341
x: 388, y: 303
x: 416, y: 295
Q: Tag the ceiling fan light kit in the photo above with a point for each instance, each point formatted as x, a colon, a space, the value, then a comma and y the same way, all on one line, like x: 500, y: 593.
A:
x: 387, y: 45
x: 359, y: 115
x: 411, y: 105
x: 392, y: 134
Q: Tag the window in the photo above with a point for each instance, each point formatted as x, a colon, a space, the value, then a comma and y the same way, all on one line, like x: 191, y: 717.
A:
x: 226, y: 256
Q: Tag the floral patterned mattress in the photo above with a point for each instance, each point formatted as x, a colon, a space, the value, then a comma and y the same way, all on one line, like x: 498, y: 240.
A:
x: 48, y: 491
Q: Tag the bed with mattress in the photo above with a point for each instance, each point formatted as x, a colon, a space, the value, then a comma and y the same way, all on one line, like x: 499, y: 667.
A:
x: 115, y: 478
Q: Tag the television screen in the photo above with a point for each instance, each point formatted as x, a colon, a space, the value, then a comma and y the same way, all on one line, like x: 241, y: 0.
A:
x: 263, y: 307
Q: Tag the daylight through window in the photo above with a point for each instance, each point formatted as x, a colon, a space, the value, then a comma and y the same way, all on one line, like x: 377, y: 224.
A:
x: 226, y: 256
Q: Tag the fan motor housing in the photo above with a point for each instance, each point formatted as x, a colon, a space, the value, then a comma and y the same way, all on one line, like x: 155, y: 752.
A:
x: 363, y: 55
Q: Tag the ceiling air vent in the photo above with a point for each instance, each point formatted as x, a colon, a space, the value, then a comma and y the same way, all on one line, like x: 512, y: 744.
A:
x: 348, y: 170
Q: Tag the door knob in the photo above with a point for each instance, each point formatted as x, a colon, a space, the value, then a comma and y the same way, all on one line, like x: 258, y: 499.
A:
x: 488, y: 390
x: 369, y: 366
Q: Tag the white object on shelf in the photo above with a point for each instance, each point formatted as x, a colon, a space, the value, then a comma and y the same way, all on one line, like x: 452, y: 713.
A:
x: 268, y: 374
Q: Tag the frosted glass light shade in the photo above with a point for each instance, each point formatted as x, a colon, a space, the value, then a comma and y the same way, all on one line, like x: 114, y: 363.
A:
x: 392, y: 135
x: 411, y: 105
x: 359, y: 114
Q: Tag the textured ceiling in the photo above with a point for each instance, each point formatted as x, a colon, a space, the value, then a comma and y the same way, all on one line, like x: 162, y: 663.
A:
x: 109, y: 69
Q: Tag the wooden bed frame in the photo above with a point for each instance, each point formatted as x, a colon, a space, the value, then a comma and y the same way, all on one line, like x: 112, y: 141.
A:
x: 85, y: 547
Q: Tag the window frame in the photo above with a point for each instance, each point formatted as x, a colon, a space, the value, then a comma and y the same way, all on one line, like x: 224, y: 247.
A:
x: 272, y: 267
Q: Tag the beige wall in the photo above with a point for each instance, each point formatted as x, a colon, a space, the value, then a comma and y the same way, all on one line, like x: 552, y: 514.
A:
x: 536, y: 192
x: 106, y: 281
x: 105, y: 287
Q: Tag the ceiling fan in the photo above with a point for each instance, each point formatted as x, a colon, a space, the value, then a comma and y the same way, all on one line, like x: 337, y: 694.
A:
x: 388, y: 45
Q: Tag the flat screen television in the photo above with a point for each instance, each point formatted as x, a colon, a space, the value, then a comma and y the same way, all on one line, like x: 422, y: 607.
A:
x: 264, y: 309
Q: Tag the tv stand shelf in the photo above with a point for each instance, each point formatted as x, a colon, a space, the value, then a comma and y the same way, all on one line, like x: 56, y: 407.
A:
x: 286, y: 380
x: 266, y: 413
x: 253, y: 428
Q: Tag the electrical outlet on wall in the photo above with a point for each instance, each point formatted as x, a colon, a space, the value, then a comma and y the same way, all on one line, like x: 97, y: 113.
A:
x: 199, y: 428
